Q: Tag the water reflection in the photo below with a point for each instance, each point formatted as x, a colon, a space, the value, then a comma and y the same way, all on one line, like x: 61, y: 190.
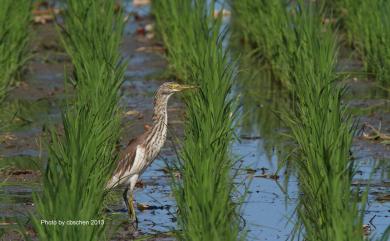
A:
x: 262, y: 100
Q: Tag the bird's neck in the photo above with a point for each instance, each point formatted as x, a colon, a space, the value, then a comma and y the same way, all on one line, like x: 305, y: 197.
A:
x: 160, y: 115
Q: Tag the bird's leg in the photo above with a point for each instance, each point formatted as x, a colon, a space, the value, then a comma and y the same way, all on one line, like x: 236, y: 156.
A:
x: 132, y: 214
x: 125, y: 198
x: 131, y: 210
x: 129, y: 205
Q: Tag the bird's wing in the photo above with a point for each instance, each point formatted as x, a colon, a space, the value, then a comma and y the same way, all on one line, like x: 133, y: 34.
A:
x: 126, y: 160
x: 127, y: 157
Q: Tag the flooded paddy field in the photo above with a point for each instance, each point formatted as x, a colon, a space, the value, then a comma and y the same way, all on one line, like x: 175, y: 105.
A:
x: 34, y: 106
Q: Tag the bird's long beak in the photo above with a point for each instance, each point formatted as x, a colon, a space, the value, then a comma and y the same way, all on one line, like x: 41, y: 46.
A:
x: 185, y: 87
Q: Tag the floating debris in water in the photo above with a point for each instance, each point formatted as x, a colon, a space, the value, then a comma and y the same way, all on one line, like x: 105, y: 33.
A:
x: 44, y: 13
x: 375, y: 134
x: 250, y: 137
x: 269, y: 176
x: 139, y: 3
x: 384, y: 198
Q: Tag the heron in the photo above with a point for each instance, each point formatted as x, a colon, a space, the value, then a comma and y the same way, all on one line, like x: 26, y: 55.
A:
x: 142, y: 150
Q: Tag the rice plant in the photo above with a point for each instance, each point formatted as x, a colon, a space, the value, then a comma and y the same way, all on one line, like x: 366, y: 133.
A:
x: 169, y: 27
x: 321, y: 126
x: 15, y: 18
x: 205, y: 190
x: 266, y: 26
x: 368, y: 25
x: 82, y: 156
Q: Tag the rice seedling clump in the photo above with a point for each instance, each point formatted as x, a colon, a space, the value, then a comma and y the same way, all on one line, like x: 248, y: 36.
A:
x: 368, y: 26
x: 82, y: 156
x: 267, y: 27
x: 205, y: 190
x: 15, y: 19
x: 321, y: 126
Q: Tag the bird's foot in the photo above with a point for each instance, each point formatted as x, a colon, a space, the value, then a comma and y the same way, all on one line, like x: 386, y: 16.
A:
x: 134, y: 223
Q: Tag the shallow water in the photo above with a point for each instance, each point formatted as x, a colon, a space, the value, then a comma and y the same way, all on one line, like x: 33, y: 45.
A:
x: 37, y: 103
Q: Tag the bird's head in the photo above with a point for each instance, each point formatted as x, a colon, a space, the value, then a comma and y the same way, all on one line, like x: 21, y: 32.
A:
x: 169, y: 88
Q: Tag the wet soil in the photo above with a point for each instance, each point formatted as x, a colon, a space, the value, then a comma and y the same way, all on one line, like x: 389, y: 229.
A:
x: 35, y: 104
